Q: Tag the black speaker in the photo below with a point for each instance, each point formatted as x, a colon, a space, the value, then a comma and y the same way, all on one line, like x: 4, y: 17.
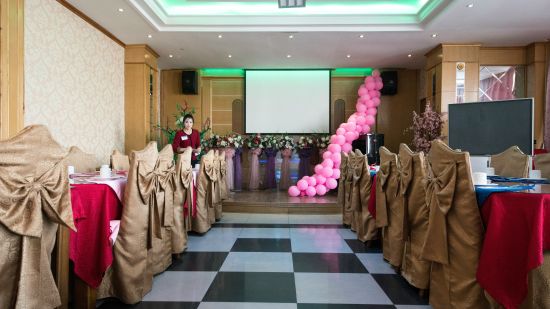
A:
x: 389, y: 78
x: 369, y: 145
x: 189, y: 82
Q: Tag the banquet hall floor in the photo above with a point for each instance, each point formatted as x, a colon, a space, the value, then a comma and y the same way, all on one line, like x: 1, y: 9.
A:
x: 282, y: 261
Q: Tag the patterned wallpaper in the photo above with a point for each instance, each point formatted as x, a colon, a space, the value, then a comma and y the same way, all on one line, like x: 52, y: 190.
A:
x: 74, y: 79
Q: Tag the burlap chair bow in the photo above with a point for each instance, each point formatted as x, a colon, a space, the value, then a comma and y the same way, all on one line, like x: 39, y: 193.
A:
x: 381, y: 182
x: 439, y: 198
x: 152, y: 182
x: 346, y: 212
x: 35, y: 197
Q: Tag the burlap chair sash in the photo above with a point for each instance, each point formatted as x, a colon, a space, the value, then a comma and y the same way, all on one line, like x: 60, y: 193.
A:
x: 348, y: 182
x: 186, y: 180
x: 382, y: 182
x: 404, y: 178
x: 156, y: 187
x: 357, y: 173
x: 439, y: 198
x: 346, y: 215
x: 34, y: 197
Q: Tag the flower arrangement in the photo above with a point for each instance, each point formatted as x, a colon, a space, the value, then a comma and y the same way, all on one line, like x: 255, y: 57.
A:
x: 305, y: 142
x: 426, y: 128
x: 254, y: 141
x: 323, y: 141
x: 181, y: 112
x: 286, y: 142
x: 235, y: 140
x: 270, y: 142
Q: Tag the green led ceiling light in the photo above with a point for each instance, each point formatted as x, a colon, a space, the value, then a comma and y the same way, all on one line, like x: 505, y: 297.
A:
x: 232, y: 72
x: 208, y: 8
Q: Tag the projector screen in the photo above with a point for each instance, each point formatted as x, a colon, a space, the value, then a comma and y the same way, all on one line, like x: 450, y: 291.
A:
x: 287, y: 101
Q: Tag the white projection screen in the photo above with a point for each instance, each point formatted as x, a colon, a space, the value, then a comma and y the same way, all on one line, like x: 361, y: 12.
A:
x: 287, y: 101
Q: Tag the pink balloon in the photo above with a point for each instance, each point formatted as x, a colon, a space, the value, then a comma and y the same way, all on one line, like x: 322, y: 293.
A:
x: 311, y: 181
x: 334, y: 139
x: 356, y: 135
x: 346, y: 148
x: 378, y: 79
x: 321, y: 190
x: 360, y: 107
x: 301, y: 185
x: 310, y: 191
x: 366, y: 128
x: 334, y: 148
x: 376, y: 101
x: 340, y: 131
x: 350, y: 126
x: 369, y: 103
x: 331, y: 183
x: 327, y: 155
x: 350, y: 136
x: 318, y: 168
x: 369, y: 79
x: 375, y: 73
x: 326, y: 172
x: 327, y: 163
x: 370, y: 85
x: 369, y: 120
x: 305, y: 178
x: 340, y: 140
x: 336, y: 157
x: 336, y: 164
x: 372, y: 111
x: 361, y: 119
x: 374, y: 94
x: 320, y: 179
x: 352, y: 119
x: 293, y: 191
x: 335, y: 173
x: 379, y: 85
x: 362, y: 91
x: 365, y: 97
x: 358, y: 129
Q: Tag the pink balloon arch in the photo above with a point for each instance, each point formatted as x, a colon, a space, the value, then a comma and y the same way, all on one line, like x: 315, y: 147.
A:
x: 360, y: 122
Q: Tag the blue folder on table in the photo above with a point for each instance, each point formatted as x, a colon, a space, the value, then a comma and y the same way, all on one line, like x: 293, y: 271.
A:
x: 519, y: 180
x: 483, y: 191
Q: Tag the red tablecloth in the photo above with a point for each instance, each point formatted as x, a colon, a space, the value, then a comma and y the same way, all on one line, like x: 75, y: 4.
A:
x: 517, y: 233
x: 372, y: 199
x: 94, y: 205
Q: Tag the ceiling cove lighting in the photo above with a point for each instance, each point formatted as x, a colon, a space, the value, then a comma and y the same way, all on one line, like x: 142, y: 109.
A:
x: 239, y: 72
x: 284, y: 4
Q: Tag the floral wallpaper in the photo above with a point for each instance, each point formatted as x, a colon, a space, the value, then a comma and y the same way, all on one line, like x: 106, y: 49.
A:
x: 74, y: 79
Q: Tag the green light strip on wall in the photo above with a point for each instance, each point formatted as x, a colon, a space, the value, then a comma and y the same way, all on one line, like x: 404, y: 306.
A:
x: 222, y: 72
x: 351, y: 72
x: 229, y: 72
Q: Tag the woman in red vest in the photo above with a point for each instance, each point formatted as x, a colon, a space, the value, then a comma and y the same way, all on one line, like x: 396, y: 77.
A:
x: 188, y: 137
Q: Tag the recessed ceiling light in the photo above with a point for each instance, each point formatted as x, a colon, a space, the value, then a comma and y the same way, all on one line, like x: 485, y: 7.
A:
x: 288, y: 56
x: 171, y: 56
x: 470, y: 5
x: 409, y: 55
x: 150, y: 36
x: 229, y: 56
x: 348, y: 56
x: 121, y: 10
x: 434, y: 35
x: 220, y: 36
x: 361, y: 36
x: 291, y: 36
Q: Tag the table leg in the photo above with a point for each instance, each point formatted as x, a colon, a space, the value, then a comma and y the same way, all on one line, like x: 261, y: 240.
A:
x: 84, y: 295
x: 60, y: 265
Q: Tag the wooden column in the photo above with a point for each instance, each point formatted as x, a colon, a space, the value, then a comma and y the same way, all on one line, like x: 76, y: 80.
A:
x: 11, y: 67
x: 536, y: 83
x: 139, y: 113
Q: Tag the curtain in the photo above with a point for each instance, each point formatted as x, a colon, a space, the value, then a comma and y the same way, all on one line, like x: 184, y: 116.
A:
x: 254, y: 183
x: 269, y: 176
x: 285, y: 183
x: 499, y: 86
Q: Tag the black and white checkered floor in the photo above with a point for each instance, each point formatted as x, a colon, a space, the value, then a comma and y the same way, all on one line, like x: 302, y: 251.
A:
x: 283, y: 261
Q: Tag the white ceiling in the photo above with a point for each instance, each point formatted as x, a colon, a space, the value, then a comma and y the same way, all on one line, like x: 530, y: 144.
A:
x: 489, y: 22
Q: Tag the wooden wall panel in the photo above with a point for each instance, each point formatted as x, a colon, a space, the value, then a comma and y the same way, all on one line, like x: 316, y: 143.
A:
x: 11, y: 67
x: 218, y: 94
x: 395, y: 112
x: 502, y: 55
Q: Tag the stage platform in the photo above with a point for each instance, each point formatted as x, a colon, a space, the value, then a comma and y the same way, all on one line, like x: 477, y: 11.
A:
x: 277, y: 201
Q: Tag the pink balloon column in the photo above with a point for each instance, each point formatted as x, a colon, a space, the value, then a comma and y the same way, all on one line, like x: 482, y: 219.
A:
x: 360, y: 122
